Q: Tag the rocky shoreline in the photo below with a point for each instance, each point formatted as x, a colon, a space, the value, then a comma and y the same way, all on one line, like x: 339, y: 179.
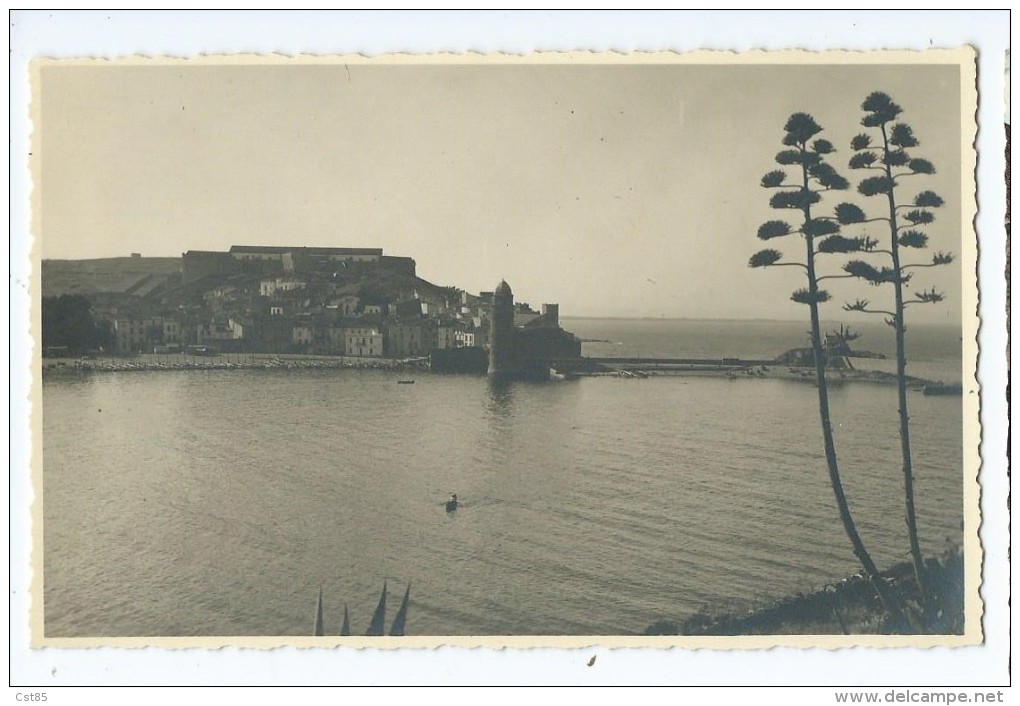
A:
x: 846, y: 607
x: 154, y: 362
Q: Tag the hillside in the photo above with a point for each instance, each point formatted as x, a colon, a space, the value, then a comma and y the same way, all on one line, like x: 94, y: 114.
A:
x: 114, y: 275
x: 136, y: 278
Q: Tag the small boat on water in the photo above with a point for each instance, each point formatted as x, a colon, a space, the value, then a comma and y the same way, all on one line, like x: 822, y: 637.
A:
x: 452, y: 503
x: 405, y: 382
x: 555, y: 374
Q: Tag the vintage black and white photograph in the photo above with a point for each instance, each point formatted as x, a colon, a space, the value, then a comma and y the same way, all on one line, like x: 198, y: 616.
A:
x: 375, y: 351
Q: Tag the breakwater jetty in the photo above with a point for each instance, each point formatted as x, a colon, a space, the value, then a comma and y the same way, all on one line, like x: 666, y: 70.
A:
x: 666, y: 363
x: 731, y: 368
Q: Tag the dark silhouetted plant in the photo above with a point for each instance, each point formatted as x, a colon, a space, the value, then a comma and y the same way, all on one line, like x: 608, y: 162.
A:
x: 894, y: 164
x: 821, y: 235
x: 838, y: 342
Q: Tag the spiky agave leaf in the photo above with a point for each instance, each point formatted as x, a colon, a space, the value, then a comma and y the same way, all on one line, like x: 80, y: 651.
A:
x: 868, y: 244
x: 764, y: 258
x: 921, y: 166
x: 821, y: 146
x: 875, y: 185
x: 819, y: 226
x: 862, y: 160
x: 913, y: 239
x: 859, y: 305
x: 848, y: 213
x: 800, y: 199
x: 773, y: 229
x: 845, y: 334
x: 804, y: 296
x: 860, y: 142
x: 773, y: 179
x: 930, y: 296
x: 941, y: 258
x: 902, y: 135
x: 801, y: 127
x: 928, y: 199
x: 918, y: 217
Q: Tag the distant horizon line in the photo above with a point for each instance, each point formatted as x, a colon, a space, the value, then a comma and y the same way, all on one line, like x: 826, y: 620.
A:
x: 729, y: 319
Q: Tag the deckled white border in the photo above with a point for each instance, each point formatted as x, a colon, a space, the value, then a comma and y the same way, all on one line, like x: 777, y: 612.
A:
x: 65, y: 35
x: 964, y: 58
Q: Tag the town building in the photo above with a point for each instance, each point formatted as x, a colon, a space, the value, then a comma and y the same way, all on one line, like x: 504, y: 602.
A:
x: 334, y: 339
x: 269, y: 287
x: 143, y: 334
x: 442, y: 336
x: 408, y: 339
x: 346, y: 305
x: 302, y: 336
x: 363, y: 342
x: 224, y: 335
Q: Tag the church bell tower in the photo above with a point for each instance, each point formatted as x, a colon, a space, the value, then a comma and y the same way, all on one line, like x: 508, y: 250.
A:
x: 501, y: 332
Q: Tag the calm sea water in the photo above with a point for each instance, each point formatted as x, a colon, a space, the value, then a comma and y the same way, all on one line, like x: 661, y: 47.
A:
x: 218, y: 502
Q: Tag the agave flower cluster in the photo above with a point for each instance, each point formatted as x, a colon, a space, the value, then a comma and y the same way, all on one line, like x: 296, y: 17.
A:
x: 803, y: 192
x: 893, y: 163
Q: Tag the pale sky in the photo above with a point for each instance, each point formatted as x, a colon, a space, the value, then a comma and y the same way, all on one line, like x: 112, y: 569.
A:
x: 616, y: 190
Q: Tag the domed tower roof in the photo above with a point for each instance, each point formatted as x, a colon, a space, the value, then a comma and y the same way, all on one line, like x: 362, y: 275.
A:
x: 503, y: 289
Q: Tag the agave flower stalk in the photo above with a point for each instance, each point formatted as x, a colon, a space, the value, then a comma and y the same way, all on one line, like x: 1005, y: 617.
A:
x: 821, y: 236
x: 893, y: 165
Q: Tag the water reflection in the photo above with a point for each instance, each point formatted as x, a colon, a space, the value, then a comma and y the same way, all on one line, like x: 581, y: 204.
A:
x: 78, y: 379
x: 501, y: 397
x: 497, y: 435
